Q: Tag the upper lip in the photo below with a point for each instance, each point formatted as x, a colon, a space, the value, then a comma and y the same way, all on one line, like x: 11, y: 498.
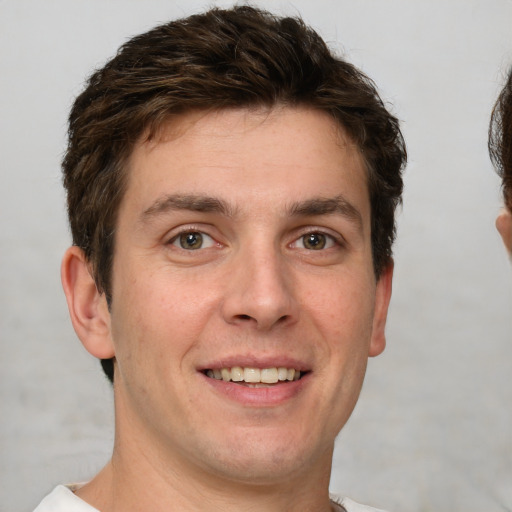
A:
x: 252, y: 361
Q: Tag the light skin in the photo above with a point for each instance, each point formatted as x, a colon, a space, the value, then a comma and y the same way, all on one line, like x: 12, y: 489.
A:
x: 243, y: 239
x: 504, y: 226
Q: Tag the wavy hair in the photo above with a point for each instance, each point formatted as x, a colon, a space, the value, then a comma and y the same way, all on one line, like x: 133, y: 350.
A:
x: 500, y: 139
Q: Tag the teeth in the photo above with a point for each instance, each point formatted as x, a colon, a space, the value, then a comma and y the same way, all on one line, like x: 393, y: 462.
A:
x: 237, y: 374
x: 282, y: 373
x: 269, y: 375
x: 254, y: 375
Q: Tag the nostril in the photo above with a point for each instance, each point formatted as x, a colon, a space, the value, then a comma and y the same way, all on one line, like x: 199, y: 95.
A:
x: 244, y: 318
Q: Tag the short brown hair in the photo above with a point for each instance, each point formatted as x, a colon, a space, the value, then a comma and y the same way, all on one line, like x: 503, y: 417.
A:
x: 500, y: 139
x: 239, y: 57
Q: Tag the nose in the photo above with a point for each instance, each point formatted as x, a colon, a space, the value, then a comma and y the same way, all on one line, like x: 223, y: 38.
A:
x: 260, y: 292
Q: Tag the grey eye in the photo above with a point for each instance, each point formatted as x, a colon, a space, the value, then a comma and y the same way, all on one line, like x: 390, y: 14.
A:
x: 193, y: 240
x: 314, y: 241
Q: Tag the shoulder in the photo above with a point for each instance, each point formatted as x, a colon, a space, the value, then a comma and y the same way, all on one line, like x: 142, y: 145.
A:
x: 62, y: 499
x: 352, y: 506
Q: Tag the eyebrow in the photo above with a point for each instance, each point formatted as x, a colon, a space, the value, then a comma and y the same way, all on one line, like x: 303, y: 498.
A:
x: 206, y: 204
x: 195, y: 203
x: 327, y: 206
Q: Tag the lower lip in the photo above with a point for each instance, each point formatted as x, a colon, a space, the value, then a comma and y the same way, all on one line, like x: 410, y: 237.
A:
x: 270, y: 396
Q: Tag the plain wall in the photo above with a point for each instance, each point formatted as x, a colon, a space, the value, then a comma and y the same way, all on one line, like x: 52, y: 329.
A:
x: 433, y: 428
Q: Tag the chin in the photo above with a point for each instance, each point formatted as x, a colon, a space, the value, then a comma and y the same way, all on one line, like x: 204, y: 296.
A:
x: 263, y: 471
x: 264, y: 460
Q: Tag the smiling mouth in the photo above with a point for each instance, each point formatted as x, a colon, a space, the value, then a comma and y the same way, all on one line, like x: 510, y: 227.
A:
x: 254, y: 377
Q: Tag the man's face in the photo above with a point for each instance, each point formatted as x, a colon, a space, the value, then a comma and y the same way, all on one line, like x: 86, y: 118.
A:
x: 243, y: 251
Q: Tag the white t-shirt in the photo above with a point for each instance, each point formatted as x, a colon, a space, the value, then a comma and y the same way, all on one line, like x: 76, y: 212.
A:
x: 62, y: 499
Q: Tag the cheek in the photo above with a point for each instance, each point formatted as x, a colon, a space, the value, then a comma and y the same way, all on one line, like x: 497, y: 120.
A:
x: 342, y: 308
x: 158, y: 315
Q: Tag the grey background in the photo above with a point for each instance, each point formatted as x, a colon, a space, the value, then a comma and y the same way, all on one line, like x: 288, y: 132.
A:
x: 433, y: 429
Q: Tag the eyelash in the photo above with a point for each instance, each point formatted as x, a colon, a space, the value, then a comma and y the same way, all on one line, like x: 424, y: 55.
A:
x: 335, y: 240
x: 330, y: 240
x: 174, y: 240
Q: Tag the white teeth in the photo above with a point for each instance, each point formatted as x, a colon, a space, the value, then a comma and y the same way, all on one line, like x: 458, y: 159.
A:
x: 269, y: 375
x: 237, y: 374
x: 254, y: 375
x: 282, y: 373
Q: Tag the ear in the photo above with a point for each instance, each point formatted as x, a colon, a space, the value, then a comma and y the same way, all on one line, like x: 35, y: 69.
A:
x: 504, y: 226
x: 382, y: 298
x: 87, y: 306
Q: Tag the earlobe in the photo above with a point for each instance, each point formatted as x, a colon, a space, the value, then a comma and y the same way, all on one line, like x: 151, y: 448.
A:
x: 504, y: 226
x: 87, y: 306
x: 382, y: 299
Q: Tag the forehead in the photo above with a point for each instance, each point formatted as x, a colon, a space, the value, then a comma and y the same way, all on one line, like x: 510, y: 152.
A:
x: 242, y: 154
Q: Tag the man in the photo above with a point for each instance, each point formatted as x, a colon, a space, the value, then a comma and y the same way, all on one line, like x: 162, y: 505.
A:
x: 500, y: 148
x: 231, y: 193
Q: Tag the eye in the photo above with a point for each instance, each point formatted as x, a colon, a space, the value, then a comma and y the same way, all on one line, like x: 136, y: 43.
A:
x: 315, y: 241
x: 192, y: 240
